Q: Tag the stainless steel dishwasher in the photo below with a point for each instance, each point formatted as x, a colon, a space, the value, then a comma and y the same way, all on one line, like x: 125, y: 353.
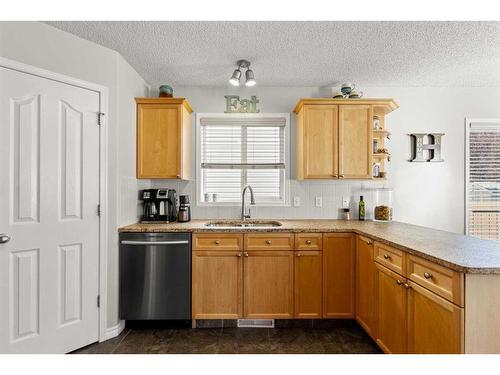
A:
x: 155, y: 276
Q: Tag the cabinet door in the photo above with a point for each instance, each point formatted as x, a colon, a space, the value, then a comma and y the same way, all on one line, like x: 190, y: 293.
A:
x: 159, y: 140
x: 308, y: 284
x: 320, y: 133
x: 366, y: 286
x: 268, y: 284
x: 391, y: 333
x: 217, y: 284
x: 435, y: 326
x: 339, y: 256
x: 355, y: 141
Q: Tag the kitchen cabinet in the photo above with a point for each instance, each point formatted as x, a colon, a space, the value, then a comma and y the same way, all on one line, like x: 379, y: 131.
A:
x: 392, y: 311
x: 355, y: 141
x: 217, y: 288
x: 366, y: 286
x: 334, y: 137
x: 339, y: 257
x: 163, y: 132
x: 308, y: 284
x: 317, y: 143
x: 268, y: 284
x: 435, y: 325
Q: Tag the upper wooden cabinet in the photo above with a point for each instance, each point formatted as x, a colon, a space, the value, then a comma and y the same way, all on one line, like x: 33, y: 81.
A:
x: 355, y: 141
x: 335, y: 137
x: 163, y: 126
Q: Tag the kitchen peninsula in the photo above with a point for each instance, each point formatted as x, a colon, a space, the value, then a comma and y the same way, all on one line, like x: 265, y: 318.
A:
x: 413, y: 289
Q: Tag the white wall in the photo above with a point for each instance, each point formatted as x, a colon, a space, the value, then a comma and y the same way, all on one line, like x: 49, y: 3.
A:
x: 46, y: 47
x: 429, y: 194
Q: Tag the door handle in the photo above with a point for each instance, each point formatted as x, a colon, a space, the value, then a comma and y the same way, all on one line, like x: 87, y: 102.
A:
x: 4, y: 238
x: 127, y: 242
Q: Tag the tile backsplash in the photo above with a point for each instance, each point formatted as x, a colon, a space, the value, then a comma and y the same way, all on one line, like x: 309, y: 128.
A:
x: 331, y: 193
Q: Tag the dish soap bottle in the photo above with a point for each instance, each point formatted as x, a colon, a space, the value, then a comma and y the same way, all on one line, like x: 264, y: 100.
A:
x: 361, y: 208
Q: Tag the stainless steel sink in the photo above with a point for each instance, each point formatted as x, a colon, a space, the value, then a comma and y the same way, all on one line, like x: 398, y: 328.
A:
x: 243, y: 224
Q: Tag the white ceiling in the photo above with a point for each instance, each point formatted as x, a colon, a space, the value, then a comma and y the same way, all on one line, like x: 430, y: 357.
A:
x: 305, y: 53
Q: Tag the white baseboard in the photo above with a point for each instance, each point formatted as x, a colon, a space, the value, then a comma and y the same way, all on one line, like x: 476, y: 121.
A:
x: 115, y: 330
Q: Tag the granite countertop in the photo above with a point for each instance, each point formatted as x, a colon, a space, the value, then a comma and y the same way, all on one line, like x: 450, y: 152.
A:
x: 458, y: 252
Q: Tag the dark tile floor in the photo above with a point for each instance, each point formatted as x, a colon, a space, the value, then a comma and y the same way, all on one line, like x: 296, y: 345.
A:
x: 347, y: 338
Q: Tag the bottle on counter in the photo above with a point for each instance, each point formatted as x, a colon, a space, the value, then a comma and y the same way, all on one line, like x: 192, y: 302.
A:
x: 361, y: 208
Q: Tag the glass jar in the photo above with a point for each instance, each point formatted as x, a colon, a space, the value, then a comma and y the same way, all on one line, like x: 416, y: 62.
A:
x: 376, y: 123
x: 382, y: 204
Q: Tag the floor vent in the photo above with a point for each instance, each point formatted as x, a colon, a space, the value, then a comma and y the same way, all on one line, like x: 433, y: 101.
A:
x: 256, y: 323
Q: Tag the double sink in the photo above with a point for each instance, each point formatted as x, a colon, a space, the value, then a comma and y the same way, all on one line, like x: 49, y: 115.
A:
x: 243, y: 224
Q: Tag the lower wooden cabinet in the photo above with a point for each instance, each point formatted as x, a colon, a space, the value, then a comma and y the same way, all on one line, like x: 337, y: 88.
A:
x: 217, y: 284
x: 392, y: 312
x: 435, y: 326
x: 339, y: 257
x: 308, y: 284
x: 366, y: 286
x: 268, y: 284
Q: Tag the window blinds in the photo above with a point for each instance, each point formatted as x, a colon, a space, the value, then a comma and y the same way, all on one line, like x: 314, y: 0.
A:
x: 484, y: 181
x: 235, y: 152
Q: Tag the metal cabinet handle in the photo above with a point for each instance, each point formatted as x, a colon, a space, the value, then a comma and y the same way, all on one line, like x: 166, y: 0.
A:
x: 308, y: 242
x: 4, y: 238
x: 407, y: 286
x: 387, y: 256
x: 299, y: 254
x: 238, y: 255
x: 427, y: 275
x: 341, y: 175
x: 334, y: 175
x: 268, y: 242
x: 245, y: 254
x: 217, y: 242
x: 366, y: 240
x: 399, y: 282
x: 130, y: 242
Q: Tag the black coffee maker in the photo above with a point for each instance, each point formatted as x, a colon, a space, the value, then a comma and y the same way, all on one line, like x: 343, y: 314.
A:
x: 159, y: 205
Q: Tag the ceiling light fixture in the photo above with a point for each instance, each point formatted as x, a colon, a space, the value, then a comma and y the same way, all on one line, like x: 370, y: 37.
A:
x: 249, y: 77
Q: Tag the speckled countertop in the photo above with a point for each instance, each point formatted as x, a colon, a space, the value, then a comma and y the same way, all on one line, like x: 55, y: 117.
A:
x: 461, y: 253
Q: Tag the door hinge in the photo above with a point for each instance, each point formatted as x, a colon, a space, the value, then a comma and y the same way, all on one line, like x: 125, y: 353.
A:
x: 98, y: 301
x: 98, y: 210
x: 99, y: 118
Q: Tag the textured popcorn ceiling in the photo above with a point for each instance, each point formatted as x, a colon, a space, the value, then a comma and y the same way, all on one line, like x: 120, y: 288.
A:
x: 305, y: 53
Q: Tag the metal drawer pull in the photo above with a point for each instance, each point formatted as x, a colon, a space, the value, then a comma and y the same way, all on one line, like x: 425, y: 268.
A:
x: 427, y: 275
x: 387, y: 256
x: 308, y: 242
x: 217, y: 242
x: 268, y: 242
x: 399, y: 282
x: 128, y: 242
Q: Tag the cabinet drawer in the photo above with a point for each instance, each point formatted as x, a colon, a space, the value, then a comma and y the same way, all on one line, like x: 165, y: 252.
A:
x: 391, y: 258
x: 217, y: 241
x: 269, y: 241
x: 447, y: 283
x: 309, y: 241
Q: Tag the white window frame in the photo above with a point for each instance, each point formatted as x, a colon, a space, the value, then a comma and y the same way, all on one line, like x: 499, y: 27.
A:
x: 468, y: 122
x: 286, y: 183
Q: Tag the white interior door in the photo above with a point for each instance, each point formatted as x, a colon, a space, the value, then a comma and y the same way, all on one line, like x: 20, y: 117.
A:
x: 49, y: 191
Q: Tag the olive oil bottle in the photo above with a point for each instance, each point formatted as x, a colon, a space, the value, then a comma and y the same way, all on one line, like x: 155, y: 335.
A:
x: 361, y: 208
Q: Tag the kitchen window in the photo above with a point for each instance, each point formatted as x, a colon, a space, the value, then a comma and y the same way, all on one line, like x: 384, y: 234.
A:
x: 482, y: 179
x: 235, y: 150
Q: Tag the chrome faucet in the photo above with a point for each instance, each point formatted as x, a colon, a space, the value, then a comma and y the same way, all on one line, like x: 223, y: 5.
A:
x: 252, y: 202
